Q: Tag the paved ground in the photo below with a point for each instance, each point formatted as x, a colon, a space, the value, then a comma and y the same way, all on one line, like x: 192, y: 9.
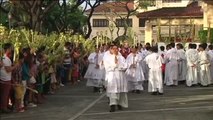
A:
x: 79, y: 103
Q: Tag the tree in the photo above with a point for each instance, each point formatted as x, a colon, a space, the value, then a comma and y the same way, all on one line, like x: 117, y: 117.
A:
x: 33, y: 10
x: 44, y: 15
x: 61, y: 19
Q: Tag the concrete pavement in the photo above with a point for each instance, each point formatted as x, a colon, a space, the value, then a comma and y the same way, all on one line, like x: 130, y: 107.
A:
x: 80, y: 103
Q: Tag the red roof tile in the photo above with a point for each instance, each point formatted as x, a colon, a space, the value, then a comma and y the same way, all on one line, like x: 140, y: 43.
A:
x: 192, y: 10
x: 208, y: 1
x: 113, y: 7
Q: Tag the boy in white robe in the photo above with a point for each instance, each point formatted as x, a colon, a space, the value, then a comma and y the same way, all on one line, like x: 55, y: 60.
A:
x: 192, y: 65
x: 162, y: 54
x: 94, y: 74
x: 134, y: 73
x: 182, y: 69
x: 204, y: 65
x: 154, y: 62
x: 171, y: 73
x: 115, y: 65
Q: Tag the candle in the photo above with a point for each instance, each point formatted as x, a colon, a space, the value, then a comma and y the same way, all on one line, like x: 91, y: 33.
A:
x: 97, y: 40
x: 106, y: 37
x: 134, y: 41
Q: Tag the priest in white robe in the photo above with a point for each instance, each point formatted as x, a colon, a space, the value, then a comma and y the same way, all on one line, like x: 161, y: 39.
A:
x: 204, y: 65
x: 154, y: 62
x: 192, y: 66
x: 115, y: 66
x: 134, y: 73
x: 94, y: 73
x: 171, y: 73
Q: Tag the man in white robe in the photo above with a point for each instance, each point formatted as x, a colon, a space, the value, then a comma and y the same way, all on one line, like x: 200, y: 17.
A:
x: 145, y: 68
x: 210, y: 52
x: 162, y: 54
x: 171, y: 73
x: 192, y: 65
x: 182, y: 69
x: 204, y: 65
x: 94, y: 73
x: 115, y: 65
x: 134, y: 73
x: 154, y: 62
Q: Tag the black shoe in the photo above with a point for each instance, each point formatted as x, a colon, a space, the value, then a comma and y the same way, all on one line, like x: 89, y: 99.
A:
x: 6, y: 111
x: 138, y: 91
x: 112, y: 108
x: 133, y: 91
x: 154, y: 93
x: 120, y: 107
x: 95, y: 89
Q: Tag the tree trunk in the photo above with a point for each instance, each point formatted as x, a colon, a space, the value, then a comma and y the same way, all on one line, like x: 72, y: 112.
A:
x: 89, y: 28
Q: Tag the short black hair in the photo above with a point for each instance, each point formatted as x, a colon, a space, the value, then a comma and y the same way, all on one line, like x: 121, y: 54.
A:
x: 21, y: 56
x: 162, y: 48
x: 190, y: 45
x: 194, y: 46
x: 203, y: 45
x: 168, y: 46
x: 148, y: 47
x: 180, y: 45
x: 154, y: 49
x: 172, y: 45
x: 7, y: 46
x: 24, y: 50
x: 148, y: 44
x: 210, y: 47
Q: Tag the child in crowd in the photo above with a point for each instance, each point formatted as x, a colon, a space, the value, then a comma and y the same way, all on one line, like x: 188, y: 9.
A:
x: 18, y: 88
x: 75, y: 73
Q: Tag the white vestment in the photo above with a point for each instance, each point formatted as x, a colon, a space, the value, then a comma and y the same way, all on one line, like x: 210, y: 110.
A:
x: 210, y: 52
x: 134, y: 75
x: 192, y: 67
x: 94, y: 75
x: 154, y: 62
x: 204, y: 64
x: 182, y: 68
x: 145, y: 68
x: 116, y: 82
x: 171, y: 73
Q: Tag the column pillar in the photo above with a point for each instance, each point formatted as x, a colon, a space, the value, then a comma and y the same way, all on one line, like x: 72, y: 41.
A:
x: 148, y: 32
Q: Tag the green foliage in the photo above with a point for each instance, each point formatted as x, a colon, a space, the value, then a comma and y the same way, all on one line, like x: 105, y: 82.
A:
x: 211, y: 35
x: 143, y: 4
x: 59, y: 18
x: 203, y: 36
x: 54, y: 43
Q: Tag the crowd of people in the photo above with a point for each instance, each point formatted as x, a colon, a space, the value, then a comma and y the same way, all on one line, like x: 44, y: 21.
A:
x: 26, y: 81
x: 121, y: 69
x: 116, y: 69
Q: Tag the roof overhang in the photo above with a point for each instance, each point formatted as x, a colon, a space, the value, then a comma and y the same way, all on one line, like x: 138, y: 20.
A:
x: 191, y: 11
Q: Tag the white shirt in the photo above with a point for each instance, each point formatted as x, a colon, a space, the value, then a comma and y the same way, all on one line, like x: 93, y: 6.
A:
x: 154, y: 61
x: 4, y: 75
